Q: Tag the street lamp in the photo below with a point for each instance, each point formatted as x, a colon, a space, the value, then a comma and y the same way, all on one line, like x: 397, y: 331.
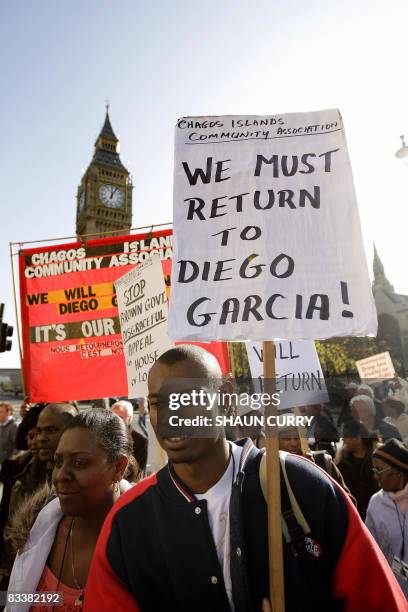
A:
x: 402, y: 152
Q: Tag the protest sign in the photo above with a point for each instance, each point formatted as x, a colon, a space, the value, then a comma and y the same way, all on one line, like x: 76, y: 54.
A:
x: 376, y: 368
x: 72, y: 347
x: 268, y: 237
x: 268, y: 244
x: 71, y: 335
x: 299, y: 376
x: 143, y: 311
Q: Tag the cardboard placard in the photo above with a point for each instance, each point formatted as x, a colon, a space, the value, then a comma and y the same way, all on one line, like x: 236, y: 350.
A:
x: 143, y: 313
x: 268, y: 237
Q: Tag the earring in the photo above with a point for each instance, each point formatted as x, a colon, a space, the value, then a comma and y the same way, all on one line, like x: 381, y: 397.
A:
x: 116, y: 486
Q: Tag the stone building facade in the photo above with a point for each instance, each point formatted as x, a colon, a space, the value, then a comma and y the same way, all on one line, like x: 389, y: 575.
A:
x: 392, y: 310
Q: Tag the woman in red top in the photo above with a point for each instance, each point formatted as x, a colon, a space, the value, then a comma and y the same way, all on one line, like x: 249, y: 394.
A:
x: 90, y: 462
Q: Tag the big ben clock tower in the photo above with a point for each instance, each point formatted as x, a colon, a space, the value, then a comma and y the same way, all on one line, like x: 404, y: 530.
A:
x: 104, y: 198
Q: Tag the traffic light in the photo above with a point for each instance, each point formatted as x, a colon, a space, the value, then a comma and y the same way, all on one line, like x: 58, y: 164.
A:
x: 6, y: 331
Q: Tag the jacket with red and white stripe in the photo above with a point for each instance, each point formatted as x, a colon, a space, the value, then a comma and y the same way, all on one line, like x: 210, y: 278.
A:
x: 156, y: 551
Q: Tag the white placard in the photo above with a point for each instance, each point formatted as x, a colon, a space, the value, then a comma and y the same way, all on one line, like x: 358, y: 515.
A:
x: 376, y: 368
x: 143, y: 316
x: 268, y: 237
x: 299, y: 376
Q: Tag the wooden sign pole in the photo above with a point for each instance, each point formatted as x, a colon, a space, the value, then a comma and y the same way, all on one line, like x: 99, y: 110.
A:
x: 302, y: 434
x: 231, y: 357
x: 276, y: 578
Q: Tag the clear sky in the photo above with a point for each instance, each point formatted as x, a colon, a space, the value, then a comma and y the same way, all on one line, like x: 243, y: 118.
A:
x: 159, y: 60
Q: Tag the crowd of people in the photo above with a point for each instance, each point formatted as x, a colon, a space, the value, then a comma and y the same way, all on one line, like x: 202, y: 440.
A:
x: 81, y: 513
x: 367, y: 454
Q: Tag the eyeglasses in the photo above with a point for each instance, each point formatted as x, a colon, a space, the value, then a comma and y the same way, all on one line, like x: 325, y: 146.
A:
x: 379, y: 472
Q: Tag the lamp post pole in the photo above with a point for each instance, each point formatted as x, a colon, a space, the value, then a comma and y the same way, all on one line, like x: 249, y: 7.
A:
x: 402, y: 152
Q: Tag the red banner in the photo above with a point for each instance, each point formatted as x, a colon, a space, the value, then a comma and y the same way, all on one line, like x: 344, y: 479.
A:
x: 71, y: 334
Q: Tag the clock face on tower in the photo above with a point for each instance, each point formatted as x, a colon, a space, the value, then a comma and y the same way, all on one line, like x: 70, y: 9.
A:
x: 111, y: 196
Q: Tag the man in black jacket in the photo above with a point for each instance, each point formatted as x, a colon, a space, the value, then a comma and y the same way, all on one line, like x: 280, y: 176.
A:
x: 124, y: 410
x: 193, y: 537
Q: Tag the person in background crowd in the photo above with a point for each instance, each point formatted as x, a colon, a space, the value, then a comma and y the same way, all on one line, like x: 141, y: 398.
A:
x: 381, y: 390
x: 355, y: 463
x: 28, y: 422
x: 9, y: 471
x: 398, y: 389
x: 369, y: 392
x: 289, y: 441
x: 103, y: 402
x: 24, y: 408
x: 124, y: 410
x: 363, y: 389
x: 26, y: 476
x: 394, y: 411
x: 8, y: 429
x: 253, y: 431
x: 143, y: 411
x: 90, y: 461
x: 51, y: 423
x: 232, y: 408
x: 12, y: 469
x: 34, y: 472
x: 194, y: 536
x: 345, y: 414
x: 323, y: 429
x: 387, y: 516
x: 363, y: 409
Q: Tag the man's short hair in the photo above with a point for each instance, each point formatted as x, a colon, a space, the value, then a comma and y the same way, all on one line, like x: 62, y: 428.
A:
x: 395, y: 405
x: 125, y: 405
x: 366, y: 388
x: 65, y: 410
x: 204, y: 362
x: 63, y: 407
x: 367, y: 401
x: 190, y: 352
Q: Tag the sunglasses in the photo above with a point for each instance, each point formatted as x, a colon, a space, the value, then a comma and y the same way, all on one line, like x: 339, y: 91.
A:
x: 379, y: 472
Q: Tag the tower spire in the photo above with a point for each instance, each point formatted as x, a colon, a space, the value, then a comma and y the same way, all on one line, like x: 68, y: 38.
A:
x: 107, y: 130
x: 380, y: 280
x: 378, y: 267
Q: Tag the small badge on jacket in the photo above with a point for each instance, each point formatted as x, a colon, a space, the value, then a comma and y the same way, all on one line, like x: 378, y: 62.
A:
x: 313, y: 548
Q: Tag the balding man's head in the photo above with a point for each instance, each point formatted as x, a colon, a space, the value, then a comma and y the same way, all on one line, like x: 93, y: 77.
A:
x: 51, y: 423
x: 124, y: 410
x: 63, y: 408
x: 363, y: 409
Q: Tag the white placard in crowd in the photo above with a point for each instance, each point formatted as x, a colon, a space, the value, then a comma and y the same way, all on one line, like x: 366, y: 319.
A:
x: 143, y: 316
x: 299, y: 376
x: 268, y: 237
x: 376, y: 368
